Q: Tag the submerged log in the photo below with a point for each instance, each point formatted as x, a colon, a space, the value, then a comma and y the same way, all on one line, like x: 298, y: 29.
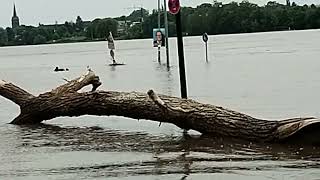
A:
x: 184, y: 113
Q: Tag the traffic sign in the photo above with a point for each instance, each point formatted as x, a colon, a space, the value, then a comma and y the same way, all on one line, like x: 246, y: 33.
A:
x: 174, y: 6
x: 205, y: 37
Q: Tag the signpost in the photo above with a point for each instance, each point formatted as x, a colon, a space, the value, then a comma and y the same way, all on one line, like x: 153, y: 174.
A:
x: 174, y: 8
x: 167, y: 32
x: 159, y: 24
x: 205, y: 39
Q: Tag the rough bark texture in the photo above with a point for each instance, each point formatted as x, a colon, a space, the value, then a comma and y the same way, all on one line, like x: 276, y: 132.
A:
x: 14, y: 93
x: 186, y: 114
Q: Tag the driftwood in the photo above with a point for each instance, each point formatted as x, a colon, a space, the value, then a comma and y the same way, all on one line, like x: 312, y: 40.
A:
x: 65, y: 100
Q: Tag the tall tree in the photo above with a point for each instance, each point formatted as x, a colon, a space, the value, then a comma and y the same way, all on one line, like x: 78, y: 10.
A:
x: 3, y: 37
x: 79, y: 24
x: 104, y: 26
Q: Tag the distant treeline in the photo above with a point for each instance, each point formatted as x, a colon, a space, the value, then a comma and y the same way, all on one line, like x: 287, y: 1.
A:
x: 58, y: 33
x: 213, y: 18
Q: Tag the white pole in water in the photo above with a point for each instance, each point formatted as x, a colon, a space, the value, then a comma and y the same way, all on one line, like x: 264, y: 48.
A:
x: 159, y: 24
x: 205, y: 39
x: 167, y: 32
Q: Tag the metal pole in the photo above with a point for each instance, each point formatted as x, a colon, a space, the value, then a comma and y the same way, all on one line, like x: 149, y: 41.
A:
x: 183, y: 83
x: 159, y: 24
x: 167, y: 32
x: 141, y: 21
x: 207, y: 51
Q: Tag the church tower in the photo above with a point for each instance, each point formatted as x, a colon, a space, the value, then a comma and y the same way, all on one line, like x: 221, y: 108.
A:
x: 15, y: 19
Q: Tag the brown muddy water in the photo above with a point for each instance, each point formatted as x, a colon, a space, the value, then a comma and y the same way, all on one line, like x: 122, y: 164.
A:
x: 267, y: 75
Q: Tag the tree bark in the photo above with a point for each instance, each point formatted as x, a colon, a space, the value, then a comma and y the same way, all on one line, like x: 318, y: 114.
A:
x: 65, y: 100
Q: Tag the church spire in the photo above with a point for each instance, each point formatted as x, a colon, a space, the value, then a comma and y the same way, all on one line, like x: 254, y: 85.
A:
x: 15, y: 19
x: 14, y: 10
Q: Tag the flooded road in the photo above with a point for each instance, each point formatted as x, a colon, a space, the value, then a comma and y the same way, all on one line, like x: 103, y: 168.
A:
x: 266, y: 75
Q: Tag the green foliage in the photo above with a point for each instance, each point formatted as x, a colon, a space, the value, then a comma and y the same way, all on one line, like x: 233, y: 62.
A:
x: 105, y: 26
x: 3, y: 37
x: 218, y: 18
x: 121, y: 18
x: 79, y: 24
x: 55, y: 36
x: 136, y: 15
x: 244, y: 17
x: 135, y: 32
x: 10, y: 34
x: 29, y: 35
x: 100, y: 28
x: 39, y: 39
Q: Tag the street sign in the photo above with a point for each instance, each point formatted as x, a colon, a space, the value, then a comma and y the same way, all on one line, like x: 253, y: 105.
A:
x: 174, y: 6
x: 159, y: 37
x: 205, y: 37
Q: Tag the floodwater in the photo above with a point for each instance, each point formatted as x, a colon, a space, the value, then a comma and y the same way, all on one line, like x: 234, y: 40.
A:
x: 267, y: 75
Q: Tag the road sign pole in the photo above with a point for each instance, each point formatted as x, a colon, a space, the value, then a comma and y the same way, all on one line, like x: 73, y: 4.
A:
x: 159, y: 24
x: 207, y: 52
x: 183, y: 82
x: 174, y: 8
x: 205, y: 39
x: 167, y: 32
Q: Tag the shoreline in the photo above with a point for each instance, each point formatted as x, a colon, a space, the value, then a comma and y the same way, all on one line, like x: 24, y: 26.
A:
x: 127, y: 39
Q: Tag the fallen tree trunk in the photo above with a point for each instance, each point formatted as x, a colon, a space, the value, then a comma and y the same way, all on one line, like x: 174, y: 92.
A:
x: 187, y: 114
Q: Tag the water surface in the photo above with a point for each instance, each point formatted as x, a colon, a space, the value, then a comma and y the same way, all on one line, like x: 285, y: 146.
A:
x: 267, y: 75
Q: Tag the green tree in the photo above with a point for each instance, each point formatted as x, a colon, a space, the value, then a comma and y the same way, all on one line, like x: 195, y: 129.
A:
x: 79, y: 24
x: 46, y: 32
x: 61, y: 30
x: 31, y: 33
x: 10, y: 34
x: 136, y: 15
x: 56, y: 36
x: 39, y: 39
x: 3, y: 37
x: 91, y: 30
x: 213, y: 18
x: 100, y: 28
x: 135, y: 32
x: 71, y: 27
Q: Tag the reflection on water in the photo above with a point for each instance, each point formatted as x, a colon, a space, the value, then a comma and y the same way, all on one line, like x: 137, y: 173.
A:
x: 147, y: 154
x: 268, y: 75
x: 166, y: 78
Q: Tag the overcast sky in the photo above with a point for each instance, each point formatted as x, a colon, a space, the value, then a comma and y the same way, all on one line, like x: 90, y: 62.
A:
x: 33, y: 12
